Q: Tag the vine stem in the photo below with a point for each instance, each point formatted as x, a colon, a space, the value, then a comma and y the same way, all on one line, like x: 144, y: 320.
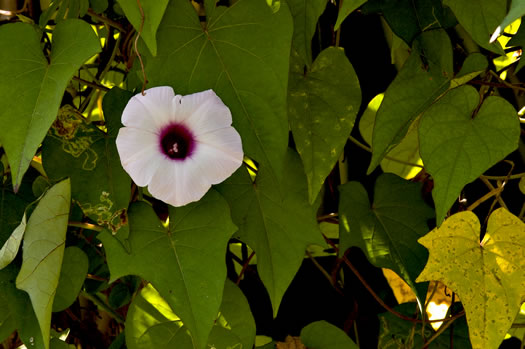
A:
x: 368, y: 149
x: 99, y: 303
x: 244, y: 267
x: 387, y: 307
x: 83, y: 225
x: 136, y: 47
x: 484, y: 198
x: 106, y: 20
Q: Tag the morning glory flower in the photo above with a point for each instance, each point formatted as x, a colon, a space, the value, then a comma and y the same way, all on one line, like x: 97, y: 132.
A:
x: 178, y: 145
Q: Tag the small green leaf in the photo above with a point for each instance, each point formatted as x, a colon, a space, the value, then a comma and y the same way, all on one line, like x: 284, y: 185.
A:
x: 424, y: 77
x: 9, y: 251
x: 488, y: 276
x: 32, y: 88
x: 386, y: 230
x: 191, y: 270
x: 153, y: 12
x: 322, y: 107
x: 323, y: 335
x: 89, y: 157
x: 74, y: 270
x: 305, y: 14
x: 474, y: 64
x: 407, y: 150
x: 239, y: 45
x: 346, y: 9
x: 480, y: 18
x: 44, y: 243
x: 457, y: 146
x: 278, y: 228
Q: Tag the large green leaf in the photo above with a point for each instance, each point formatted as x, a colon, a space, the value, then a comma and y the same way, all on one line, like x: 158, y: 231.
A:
x: 242, y: 53
x: 74, y: 270
x: 277, y: 227
x: 323, y: 335
x: 185, y: 261
x: 43, y: 250
x: 480, y: 18
x: 409, y: 18
x: 153, y: 11
x: 17, y: 312
x: 387, y: 229
x: 322, y: 106
x: 346, y: 9
x: 32, y: 88
x: 89, y: 157
x: 424, y: 77
x: 458, y: 141
x: 151, y: 323
x: 488, y: 276
x: 305, y: 14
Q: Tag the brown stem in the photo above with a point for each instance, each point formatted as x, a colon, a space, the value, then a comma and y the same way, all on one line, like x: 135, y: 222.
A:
x: 244, y: 267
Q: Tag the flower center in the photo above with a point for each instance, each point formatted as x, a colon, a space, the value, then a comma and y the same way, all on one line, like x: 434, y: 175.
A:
x: 176, y: 141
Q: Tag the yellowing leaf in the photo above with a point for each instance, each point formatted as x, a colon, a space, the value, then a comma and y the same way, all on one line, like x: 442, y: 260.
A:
x: 489, y: 277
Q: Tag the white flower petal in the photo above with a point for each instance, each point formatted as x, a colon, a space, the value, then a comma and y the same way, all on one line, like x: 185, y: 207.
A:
x: 202, y: 112
x: 139, y: 154
x: 150, y: 112
x: 216, y: 164
x: 179, y: 183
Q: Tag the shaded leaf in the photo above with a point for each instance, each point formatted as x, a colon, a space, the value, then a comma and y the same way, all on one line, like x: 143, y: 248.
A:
x: 43, y: 251
x: 474, y: 64
x: 409, y: 18
x: 457, y: 146
x: 424, y: 77
x: 517, y: 10
x: 278, y: 228
x: 346, y: 9
x: 89, y: 157
x: 323, y: 335
x: 480, y: 18
x: 153, y: 11
x: 488, y: 276
x: 387, y: 229
x: 239, y: 45
x: 185, y: 261
x: 31, y: 89
x: 322, y: 107
x: 305, y: 14
x: 16, y: 307
x: 74, y: 270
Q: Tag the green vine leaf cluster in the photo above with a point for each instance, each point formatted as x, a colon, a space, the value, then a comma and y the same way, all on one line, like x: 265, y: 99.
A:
x: 378, y: 138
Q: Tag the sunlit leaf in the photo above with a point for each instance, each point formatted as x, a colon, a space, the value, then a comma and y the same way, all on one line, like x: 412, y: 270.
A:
x: 43, y: 250
x: 488, y: 276
x: 424, y: 77
x: 89, y: 157
x: 74, y: 269
x: 153, y: 11
x: 458, y: 142
x: 242, y: 53
x: 277, y: 227
x: 185, y: 261
x: 387, y: 229
x: 32, y: 88
x: 322, y: 106
x: 480, y: 18
x: 323, y: 335
x: 473, y: 65
x: 151, y: 323
x: 10, y: 248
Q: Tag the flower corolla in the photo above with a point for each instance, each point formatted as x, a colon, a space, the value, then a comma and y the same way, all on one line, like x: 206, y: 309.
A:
x: 177, y: 145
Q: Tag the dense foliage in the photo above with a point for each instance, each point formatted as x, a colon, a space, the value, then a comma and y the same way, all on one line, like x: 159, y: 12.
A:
x: 383, y: 176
